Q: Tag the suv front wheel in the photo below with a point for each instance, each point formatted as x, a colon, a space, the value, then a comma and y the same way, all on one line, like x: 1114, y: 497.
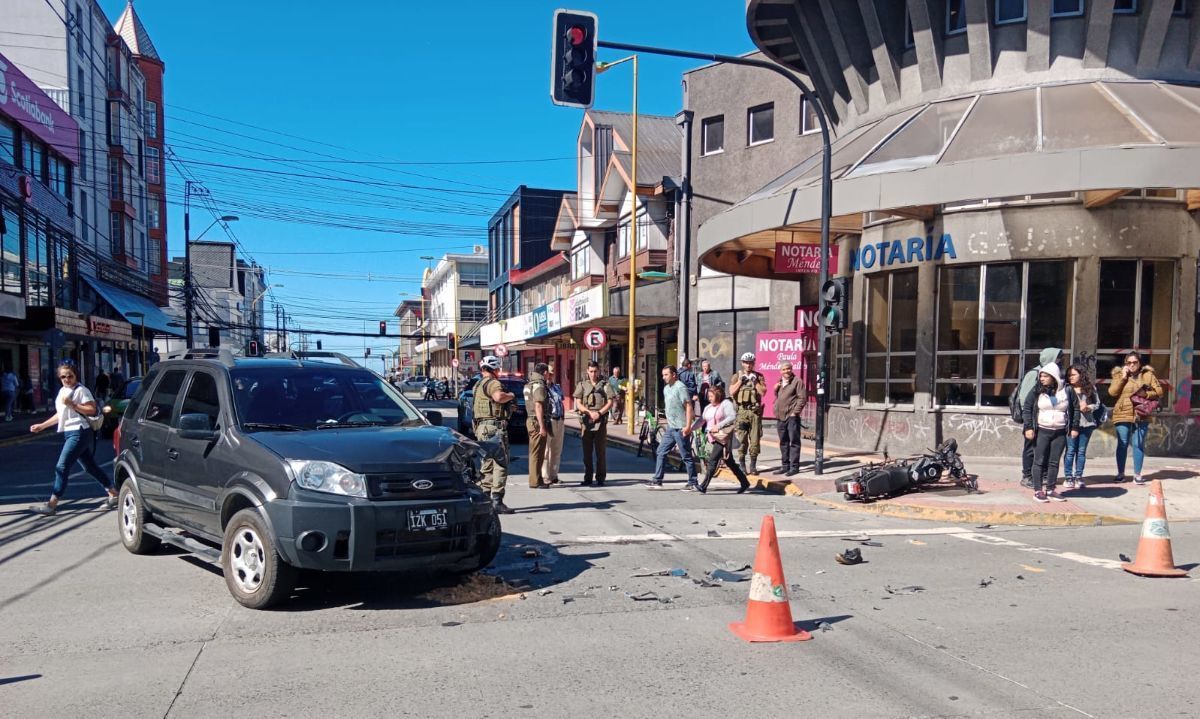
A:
x: 256, y: 575
x: 132, y: 519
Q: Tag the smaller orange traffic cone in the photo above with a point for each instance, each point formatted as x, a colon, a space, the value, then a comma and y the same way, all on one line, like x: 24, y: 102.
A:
x: 768, y: 615
x: 1154, y: 558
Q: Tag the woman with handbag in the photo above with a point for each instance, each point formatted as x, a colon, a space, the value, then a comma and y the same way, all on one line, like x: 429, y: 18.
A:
x: 76, y: 410
x: 1091, y: 416
x: 719, y: 417
x: 1137, y: 392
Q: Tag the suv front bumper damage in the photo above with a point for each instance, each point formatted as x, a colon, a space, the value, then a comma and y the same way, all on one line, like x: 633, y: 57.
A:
x: 359, y: 535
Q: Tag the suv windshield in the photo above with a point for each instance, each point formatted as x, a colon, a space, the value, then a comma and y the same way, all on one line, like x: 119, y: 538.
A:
x: 311, y: 397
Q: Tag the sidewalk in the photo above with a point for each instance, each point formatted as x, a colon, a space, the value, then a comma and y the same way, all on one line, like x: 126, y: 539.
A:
x: 1000, y: 499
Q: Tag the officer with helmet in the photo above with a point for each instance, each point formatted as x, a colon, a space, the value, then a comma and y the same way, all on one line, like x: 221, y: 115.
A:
x: 747, y: 392
x: 492, y: 406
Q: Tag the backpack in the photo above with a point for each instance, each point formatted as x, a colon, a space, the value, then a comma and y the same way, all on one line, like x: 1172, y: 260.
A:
x: 1015, y: 410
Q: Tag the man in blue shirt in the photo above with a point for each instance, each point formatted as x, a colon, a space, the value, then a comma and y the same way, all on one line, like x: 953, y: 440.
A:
x: 677, y: 403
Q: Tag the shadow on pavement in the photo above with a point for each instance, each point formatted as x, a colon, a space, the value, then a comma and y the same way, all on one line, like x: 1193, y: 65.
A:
x: 1171, y: 474
x: 814, y: 625
x: 23, y: 678
x: 560, y: 506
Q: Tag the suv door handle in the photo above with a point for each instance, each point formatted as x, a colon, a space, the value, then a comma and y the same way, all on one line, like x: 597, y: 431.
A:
x: 135, y: 441
x: 173, y: 453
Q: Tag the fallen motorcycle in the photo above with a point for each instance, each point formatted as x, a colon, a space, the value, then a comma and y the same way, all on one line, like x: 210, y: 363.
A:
x: 897, y: 476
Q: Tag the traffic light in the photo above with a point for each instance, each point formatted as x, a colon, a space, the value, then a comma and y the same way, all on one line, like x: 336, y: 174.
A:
x: 835, y: 305
x: 252, y: 349
x: 214, y: 336
x: 573, y: 59
x: 450, y: 339
x: 382, y: 328
x: 318, y: 344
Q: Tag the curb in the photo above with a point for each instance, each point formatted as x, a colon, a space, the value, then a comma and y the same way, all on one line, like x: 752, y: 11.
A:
x: 977, y: 516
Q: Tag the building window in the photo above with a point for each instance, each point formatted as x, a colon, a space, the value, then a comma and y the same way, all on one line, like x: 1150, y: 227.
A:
x: 722, y: 337
x: 842, y: 348
x: 809, y: 122
x: 81, y: 95
x: 85, y: 228
x: 115, y: 237
x: 8, y: 142
x: 472, y: 310
x: 623, y: 240
x: 1125, y: 7
x: 712, y: 135
x: 1008, y: 11
x: 891, y: 345
x: 37, y: 263
x: 985, y: 331
x: 1066, y: 8
x: 760, y: 124
x: 83, y: 154
x: 956, y: 17
x: 1181, y: 8
x: 1136, y: 311
x: 141, y: 158
x: 580, y: 265
x: 33, y: 158
x: 909, y: 41
x: 10, y: 251
x: 114, y: 123
x: 472, y: 274
x: 59, y: 175
x: 153, y: 165
x: 114, y: 178
x: 643, y: 232
x: 151, y: 119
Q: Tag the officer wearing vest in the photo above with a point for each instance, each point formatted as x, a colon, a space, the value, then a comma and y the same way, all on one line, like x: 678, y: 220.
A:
x: 594, y: 397
x: 537, y: 426
x: 492, y: 406
x: 747, y: 391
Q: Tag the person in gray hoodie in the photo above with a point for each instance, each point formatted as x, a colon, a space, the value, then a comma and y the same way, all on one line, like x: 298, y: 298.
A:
x: 1049, y: 355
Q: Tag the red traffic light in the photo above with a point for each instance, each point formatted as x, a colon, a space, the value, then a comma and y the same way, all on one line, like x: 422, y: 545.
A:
x: 576, y: 35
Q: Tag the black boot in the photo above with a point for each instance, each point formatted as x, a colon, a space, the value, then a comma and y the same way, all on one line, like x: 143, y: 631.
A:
x: 500, y: 507
x: 753, y: 469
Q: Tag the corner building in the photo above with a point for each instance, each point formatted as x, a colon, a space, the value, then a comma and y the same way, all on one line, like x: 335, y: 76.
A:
x: 1008, y: 176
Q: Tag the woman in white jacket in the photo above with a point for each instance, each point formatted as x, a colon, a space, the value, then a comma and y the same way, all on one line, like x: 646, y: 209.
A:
x: 719, y: 417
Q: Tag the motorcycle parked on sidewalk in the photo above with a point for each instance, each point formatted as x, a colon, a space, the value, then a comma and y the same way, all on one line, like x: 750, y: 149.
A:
x: 898, y: 476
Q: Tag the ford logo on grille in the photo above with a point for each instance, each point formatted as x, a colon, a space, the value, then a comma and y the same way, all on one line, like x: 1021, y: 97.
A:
x: 422, y: 484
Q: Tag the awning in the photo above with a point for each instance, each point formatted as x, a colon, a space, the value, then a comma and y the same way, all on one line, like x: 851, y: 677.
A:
x: 126, y: 302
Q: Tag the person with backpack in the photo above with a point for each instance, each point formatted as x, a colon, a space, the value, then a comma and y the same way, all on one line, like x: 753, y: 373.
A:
x: 1051, y: 414
x: 1091, y: 416
x: 1016, y: 404
x: 1137, y: 392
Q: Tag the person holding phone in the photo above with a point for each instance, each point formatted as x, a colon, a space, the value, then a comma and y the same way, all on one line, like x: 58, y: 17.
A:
x: 1137, y: 392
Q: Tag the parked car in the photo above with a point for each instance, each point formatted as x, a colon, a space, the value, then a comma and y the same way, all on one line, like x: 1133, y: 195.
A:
x: 413, y: 384
x: 268, y: 466
x: 516, y: 421
x: 114, y: 408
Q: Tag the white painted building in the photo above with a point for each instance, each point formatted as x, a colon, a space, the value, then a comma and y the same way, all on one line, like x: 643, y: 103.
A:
x: 456, y: 292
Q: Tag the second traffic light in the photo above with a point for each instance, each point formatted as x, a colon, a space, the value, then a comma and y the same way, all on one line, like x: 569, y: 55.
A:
x: 573, y: 59
x: 382, y: 328
x: 835, y: 305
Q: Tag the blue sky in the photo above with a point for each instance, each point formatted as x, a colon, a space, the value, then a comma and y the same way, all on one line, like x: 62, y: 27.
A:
x: 275, y: 105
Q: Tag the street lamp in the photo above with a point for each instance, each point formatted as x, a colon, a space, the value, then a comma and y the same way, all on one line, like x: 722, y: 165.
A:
x: 142, y: 341
x: 633, y: 242
x: 187, y: 255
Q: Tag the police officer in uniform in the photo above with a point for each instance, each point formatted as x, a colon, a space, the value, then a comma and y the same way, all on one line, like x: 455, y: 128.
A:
x: 537, y: 403
x: 594, y: 397
x: 492, y: 406
x: 747, y: 391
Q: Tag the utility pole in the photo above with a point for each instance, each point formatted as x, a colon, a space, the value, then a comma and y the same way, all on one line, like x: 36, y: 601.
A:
x: 187, y: 261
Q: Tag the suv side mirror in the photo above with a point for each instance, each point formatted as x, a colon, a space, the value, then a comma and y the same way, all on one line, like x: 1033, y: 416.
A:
x: 434, y: 417
x: 195, y: 426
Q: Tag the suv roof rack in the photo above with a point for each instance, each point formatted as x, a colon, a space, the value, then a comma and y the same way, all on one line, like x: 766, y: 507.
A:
x: 312, y: 355
x: 221, y: 354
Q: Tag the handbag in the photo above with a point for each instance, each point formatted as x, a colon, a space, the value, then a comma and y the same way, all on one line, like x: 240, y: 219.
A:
x: 720, y: 436
x: 1143, y: 406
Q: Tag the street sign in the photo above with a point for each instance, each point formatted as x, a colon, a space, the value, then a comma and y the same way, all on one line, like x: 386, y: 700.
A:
x: 595, y: 338
x: 500, y: 351
x: 454, y: 363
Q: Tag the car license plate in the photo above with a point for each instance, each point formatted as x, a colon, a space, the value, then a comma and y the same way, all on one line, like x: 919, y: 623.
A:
x: 426, y: 520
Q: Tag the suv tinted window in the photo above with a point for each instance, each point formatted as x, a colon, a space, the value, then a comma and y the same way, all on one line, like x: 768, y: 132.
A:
x: 311, y: 396
x: 135, y: 399
x: 202, y: 398
x: 162, y: 400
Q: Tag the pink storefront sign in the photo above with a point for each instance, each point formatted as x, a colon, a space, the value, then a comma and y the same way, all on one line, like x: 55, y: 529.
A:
x: 36, y: 113
x: 772, y: 349
x: 797, y: 258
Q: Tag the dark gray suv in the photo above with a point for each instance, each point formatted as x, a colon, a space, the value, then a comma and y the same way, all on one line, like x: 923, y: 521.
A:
x: 290, y: 464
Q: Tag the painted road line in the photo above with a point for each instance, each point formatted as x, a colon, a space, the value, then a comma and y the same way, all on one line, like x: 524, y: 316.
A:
x: 783, y: 534
x: 1048, y: 551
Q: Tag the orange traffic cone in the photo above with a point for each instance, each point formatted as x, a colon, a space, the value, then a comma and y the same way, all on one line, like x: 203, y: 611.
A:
x: 1154, y: 558
x: 768, y: 615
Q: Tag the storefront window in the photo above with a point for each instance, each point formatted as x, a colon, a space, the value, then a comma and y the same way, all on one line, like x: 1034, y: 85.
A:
x: 10, y: 252
x: 37, y: 263
x: 980, y: 339
x: 725, y: 336
x: 891, y: 358
x: 840, y: 392
x: 1137, y: 302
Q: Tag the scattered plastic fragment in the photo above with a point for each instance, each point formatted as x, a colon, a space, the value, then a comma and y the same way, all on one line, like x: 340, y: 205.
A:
x: 1028, y: 568
x: 819, y: 571
x: 544, y: 592
x: 721, y: 523
x: 551, y: 531
x: 677, y: 572
x: 984, y: 526
x: 732, y: 566
x: 986, y: 582
x: 849, y: 557
x: 713, y: 533
x: 1124, y: 557
x: 648, y: 597
x: 724, y: 575
x: 451, y: 624
x: 916, y: 541
x: 824, y: 626
x: 531, y: 554
x: 706, y: 582
x: 905, y: 590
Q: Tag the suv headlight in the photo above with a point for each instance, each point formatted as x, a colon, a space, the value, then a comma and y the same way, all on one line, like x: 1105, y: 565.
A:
x: 328, y: 477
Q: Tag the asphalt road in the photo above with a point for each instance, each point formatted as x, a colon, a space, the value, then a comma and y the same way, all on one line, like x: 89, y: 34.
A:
x: 88, y: 629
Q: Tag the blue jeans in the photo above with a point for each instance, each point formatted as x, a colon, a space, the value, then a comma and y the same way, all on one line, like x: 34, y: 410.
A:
x: 1137, y: 432
x: 674, y: 438
x: 77, y: 447
x: 1077, y: 453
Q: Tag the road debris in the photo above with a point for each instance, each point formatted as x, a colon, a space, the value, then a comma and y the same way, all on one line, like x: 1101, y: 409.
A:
x: 905, y: 590
x: 651, y: 597
x: 917, y: 542
x: 677, y: 572
x: 724, y: 575
x: 451, y: 624
x: 824, y: 626
x: 531, y: 554
x: 1124, y: 557
x: 544, y: 592
x: 849, y: 557
x: 986, y: 582
x: 1028, y: 568
x: 713, y: 533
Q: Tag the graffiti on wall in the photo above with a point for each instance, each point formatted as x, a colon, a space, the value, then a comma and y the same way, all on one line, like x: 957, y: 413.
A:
x: 980, y: 427
x: 875, y: 430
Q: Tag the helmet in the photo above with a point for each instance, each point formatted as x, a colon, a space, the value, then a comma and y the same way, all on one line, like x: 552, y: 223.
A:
x: 490, y: 362
x: 748, y: 357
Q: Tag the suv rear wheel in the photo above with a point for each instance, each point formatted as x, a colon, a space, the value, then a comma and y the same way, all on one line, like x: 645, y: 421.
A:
x: 132, y: 520
x: 256, y: 575
x: 488, y: 543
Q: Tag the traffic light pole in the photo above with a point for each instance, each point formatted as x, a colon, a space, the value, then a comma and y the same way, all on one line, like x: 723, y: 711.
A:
x: 826, y: 206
